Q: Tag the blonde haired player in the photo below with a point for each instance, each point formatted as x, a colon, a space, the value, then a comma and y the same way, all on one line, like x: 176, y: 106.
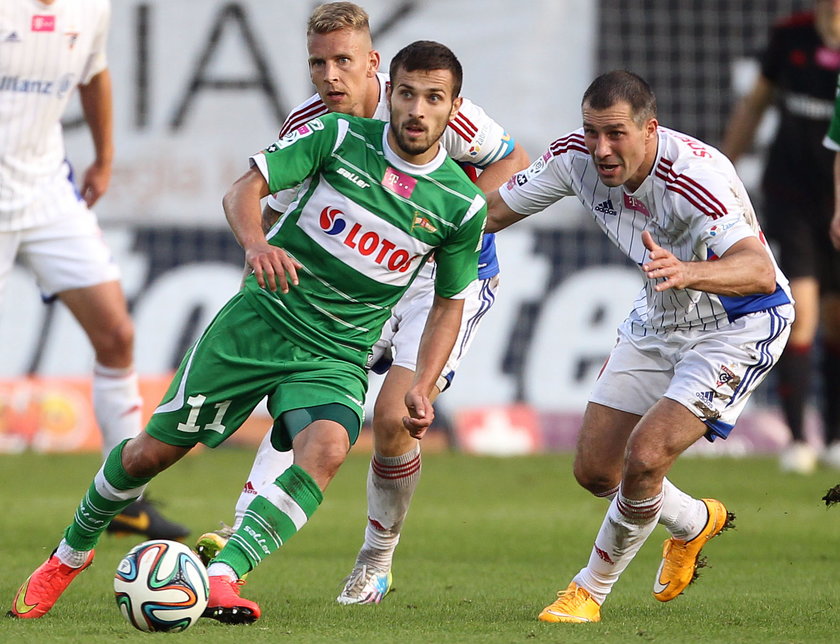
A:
x: 344, y: 69
x: 708, y: 325
x: 48, y: 49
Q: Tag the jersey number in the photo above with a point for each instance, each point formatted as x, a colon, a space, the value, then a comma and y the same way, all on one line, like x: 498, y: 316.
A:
x: 195, y: 403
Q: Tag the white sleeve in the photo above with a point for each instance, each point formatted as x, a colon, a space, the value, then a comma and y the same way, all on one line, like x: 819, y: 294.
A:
x: 475, y: 138
x: 535, y: 188
x: 97, y: 60
x: 715, y: 210
x: 280, y: 201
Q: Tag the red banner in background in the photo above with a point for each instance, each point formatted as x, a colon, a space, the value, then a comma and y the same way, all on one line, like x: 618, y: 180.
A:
x: 56, y: 415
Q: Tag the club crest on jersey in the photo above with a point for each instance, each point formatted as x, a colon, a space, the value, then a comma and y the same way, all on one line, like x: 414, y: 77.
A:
x: 43, y: 23
x: 422, y: 222
x: 72, y: 37
x: 367, y: 243
x: 398, y: 183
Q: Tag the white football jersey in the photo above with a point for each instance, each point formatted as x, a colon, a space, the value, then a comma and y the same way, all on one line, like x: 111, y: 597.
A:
x: 45, y: 52
x: 693, y: 204
x: 472, y: 136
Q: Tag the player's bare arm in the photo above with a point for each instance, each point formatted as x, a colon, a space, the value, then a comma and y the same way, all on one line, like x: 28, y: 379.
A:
x: 740, y: 132
x: 834, y: 228
x: 744, y: 269
x: 272, y: 267
x: 499, y: 214
x: 500, y: 171
x: 439, y: 337
x: 98, y: 111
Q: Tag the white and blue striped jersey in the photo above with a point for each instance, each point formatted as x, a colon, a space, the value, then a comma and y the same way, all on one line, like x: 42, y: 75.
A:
x: 45, y: 52
x: 693, y: 204
x: 472, y: 138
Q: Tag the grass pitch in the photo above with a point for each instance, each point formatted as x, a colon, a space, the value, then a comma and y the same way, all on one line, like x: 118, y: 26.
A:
x: 486, y: 545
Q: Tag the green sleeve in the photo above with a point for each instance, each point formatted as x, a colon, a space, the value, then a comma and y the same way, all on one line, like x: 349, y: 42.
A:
x: 301, y: 153
x: 457, y: 259
x: 834, y: 128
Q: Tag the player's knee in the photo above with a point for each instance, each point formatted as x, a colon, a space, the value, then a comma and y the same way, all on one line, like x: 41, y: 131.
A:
x: 144, y: 458
x: 114, y: 343
x: 643, y: 467
x: 598, y: 483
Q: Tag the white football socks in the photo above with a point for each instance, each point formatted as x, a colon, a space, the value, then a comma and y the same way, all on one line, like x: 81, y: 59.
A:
x: 391, y: 483
x: 70, y: 556
x: 116, y: 404
x: 682, y: 515
x: 625, y: 528
x: 268, y: 465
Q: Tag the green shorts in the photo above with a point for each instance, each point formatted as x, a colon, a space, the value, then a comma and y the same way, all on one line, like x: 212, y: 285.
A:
x: 239, y: 360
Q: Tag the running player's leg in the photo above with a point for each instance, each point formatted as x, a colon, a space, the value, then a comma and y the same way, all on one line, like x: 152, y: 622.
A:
x: 396, y: 464
x: 209, y: 398
x: 71, y: 262
x: 321, y: 434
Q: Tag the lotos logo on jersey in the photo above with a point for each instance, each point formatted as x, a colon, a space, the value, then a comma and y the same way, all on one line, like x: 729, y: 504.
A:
x: 367, y: 243
x: 330, y: 221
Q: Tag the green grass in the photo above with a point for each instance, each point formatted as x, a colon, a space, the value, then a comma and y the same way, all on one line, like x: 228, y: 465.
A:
x: 487, y: 544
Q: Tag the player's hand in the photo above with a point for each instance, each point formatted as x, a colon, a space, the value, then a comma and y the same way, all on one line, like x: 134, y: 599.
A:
x: 272, y: 267
x: 663, y: 265
x: 420, y: 414
x: 95, y: 182
x: 834, y: 230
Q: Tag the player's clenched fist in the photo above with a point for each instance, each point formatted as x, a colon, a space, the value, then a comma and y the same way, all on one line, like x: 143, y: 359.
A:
x: 663, y: 265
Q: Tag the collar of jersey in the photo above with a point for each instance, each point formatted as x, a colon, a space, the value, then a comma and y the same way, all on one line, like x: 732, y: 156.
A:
x: 400, y: 164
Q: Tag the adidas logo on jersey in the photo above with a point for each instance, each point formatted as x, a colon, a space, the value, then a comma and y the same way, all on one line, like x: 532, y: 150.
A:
x: 606, y: 208
x: 12, y: 37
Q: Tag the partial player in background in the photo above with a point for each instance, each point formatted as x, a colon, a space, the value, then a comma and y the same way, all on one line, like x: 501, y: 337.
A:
x: 344, y: 69
x: 709, y: 323
x: 47, y: 50
x: 799, y: 75
x: 301, y: 330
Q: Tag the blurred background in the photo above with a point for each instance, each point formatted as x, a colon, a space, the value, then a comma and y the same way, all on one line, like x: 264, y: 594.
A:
x: 199, y: 85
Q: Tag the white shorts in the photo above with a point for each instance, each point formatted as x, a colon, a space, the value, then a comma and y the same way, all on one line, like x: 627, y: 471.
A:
x: 712, y: 373
x: 401, y: 334
x: 64, y: 254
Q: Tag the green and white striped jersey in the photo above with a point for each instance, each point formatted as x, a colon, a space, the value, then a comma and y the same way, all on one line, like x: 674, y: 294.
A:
x: 362, y: 225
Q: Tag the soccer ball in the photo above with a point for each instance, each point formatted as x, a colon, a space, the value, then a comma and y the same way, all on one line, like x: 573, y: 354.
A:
x: 161, y: 586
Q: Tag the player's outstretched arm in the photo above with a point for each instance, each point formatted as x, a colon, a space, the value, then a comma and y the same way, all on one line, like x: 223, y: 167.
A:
x: 439, y: 337
x: 97, y: 107
x: 498, y: 172
x: 744, y: 269
x: 499, y: 214
x: 272, y: 267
